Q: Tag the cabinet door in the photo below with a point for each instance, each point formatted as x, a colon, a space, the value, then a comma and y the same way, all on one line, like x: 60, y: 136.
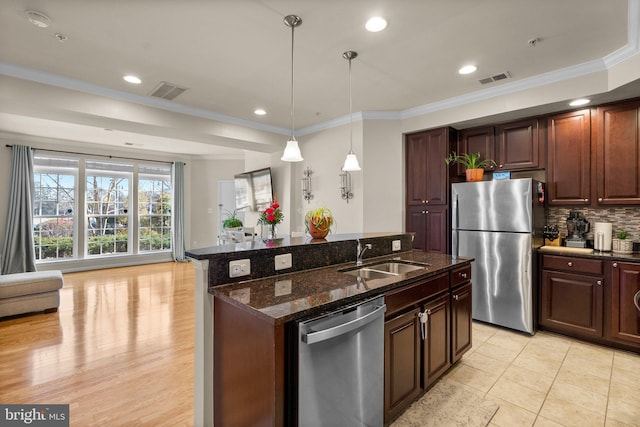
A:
x: 417, y: 223
x: 618, y: 154
x: 625, y: 317
x: 402, y: 362
x: 416, y: 168
x: 460, y: 321
x: 518, y: 145
x: 437, y: 229
x: 476, y: 140
x: 431, y: 227
x: 572, y: 303
x: 436, y: 331
x: 569, y: 159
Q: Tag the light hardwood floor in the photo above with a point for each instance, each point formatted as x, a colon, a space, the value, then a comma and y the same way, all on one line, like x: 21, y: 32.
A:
x: 119, y: 351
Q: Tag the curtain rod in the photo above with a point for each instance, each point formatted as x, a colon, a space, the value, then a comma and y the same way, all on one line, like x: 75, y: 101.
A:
x: 96, y: 155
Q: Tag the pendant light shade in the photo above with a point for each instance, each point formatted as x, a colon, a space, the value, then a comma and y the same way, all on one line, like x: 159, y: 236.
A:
x: 351, y: 162
x: 292, y: 151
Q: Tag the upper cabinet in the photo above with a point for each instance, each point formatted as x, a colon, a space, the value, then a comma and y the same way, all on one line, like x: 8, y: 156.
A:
x: 617, y: 147
x: 593, y: 156
x: 569, y: 159
x: 427, y: 173
x: 513, y: 146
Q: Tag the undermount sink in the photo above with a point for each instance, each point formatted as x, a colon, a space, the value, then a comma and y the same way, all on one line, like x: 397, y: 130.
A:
x: 384, y: 269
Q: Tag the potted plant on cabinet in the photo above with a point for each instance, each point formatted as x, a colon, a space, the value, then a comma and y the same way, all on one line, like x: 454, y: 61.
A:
x: 474, y: 166
x: 319, y: 222
x: 621, y: 244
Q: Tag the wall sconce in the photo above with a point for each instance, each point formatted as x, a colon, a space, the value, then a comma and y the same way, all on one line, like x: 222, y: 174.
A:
x: 345, y: 186
x: 306, y: 185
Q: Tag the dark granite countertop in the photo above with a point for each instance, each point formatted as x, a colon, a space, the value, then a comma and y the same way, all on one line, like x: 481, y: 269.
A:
x: 283, y: 298
x: 612, y: 256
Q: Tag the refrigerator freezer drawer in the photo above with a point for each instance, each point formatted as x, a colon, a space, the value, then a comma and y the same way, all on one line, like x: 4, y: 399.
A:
x: 502, y: 276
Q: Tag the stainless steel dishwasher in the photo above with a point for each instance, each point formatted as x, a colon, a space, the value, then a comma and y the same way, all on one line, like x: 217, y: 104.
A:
x: 341, y: 367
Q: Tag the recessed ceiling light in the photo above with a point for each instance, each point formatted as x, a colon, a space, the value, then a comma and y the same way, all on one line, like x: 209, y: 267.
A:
x: 259, y: 112
x: 376, y: 24
x: 579, y: 102
x: 467, y: 69
x: 38, y: 19
x: 132, y: 79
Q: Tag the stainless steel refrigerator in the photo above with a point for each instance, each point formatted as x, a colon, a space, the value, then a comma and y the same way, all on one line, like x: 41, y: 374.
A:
x: 499, y: 223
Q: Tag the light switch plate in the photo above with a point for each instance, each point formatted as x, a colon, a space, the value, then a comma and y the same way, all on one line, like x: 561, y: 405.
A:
x: 396, y: 245
x: 240, y: 267
x: 283, y: 261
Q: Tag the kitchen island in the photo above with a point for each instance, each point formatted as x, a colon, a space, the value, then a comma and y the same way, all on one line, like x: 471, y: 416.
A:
x: 252, y: 320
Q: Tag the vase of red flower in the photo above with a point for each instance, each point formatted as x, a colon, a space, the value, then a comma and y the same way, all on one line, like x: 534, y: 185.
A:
x: 270, y: 217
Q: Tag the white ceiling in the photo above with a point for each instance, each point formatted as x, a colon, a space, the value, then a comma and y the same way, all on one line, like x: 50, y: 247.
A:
x: 234, y: 56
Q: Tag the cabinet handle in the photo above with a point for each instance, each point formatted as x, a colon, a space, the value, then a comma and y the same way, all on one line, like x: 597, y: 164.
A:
x: 455, y: 297
x: 463, y: 275
x: 599, y: 282
x: 425, y: 212
x: 615, y: 265
x: 600, y: 199
x: 426, y: 202
x: 423, y: 316
x: 570, y: 264
x: 586, y: 200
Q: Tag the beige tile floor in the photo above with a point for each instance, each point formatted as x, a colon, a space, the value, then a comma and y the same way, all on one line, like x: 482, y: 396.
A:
x: 549, y: 380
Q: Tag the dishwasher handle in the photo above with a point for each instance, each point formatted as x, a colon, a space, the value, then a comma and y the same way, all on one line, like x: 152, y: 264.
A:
x: 327, y: 334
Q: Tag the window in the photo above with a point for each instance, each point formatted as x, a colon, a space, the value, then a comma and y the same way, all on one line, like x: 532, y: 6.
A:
x: 102, y: 221
x: 154, y: 208
x: 108, y: 207
x: 54, y: 225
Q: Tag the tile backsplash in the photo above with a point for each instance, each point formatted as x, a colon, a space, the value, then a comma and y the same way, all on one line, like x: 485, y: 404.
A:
x: 622, y: 219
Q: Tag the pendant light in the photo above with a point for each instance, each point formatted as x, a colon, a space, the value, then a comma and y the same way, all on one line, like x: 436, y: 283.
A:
x: 351, y: 162
x: 292, y: 151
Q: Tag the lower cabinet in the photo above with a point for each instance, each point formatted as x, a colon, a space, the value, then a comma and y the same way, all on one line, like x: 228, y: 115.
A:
x: 460, y: 321
x: 591, y: 299
x: 427, y: 329
x: 625, y: 316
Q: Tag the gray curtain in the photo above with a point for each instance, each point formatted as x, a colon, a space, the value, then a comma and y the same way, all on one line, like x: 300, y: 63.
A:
x: 18, y: 255
x: 177, y: 172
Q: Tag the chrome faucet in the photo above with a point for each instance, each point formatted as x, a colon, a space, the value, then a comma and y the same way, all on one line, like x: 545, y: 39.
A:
x: 361, y: 251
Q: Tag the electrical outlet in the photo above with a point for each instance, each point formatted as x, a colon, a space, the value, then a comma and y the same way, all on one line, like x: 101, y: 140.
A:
x: 395, y: 245
x: 283, y: 261
x: 240, y: 267
x: 282, y: 287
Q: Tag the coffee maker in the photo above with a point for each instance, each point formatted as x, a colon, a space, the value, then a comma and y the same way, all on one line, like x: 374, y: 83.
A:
x: 577, y: 227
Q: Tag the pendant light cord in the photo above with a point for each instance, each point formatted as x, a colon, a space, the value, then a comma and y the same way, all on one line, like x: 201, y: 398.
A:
x: 292, y: 87
x: 350, y: 112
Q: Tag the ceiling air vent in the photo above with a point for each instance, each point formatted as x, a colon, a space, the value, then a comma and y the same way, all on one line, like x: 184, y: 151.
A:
x: 495, y: 78
x: 167, y: 91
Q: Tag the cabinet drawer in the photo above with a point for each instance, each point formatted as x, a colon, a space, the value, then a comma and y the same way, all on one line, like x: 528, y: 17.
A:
x: 576, y: 265
x: 460, y: 275
x: 397, y: 300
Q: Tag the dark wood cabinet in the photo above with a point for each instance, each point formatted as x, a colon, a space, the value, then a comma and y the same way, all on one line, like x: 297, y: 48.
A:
x: 624, y: 316
x: 436, y: 339
x: 476, y: 140
x: 518, y: 145
x: 617, y: 142
x: 401, y: 362
x: 431, y: 225
x: 417, y: 341
x: 426, y: 172
x: 461, y: 321
x: 572, y: 295
x: 569, y: 159
x: 427, y: 188
x: 513, y: 146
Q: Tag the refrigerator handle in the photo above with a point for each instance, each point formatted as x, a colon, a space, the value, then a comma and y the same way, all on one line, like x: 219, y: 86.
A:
x: 455, y: 227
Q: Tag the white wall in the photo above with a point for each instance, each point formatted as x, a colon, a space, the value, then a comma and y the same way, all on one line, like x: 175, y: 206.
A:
x: 203, y: 221
x: 324, y: 153
x: 383, y: 208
